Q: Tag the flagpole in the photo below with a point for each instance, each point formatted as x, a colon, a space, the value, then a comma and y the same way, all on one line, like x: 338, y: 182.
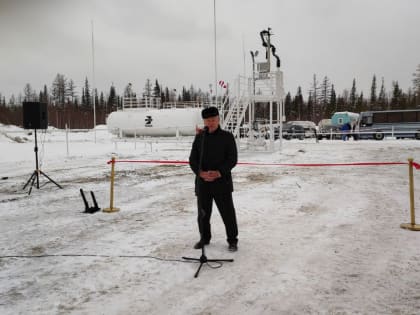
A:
x: 243, y: 52
x: 215, y: 51
x: 93, y: 84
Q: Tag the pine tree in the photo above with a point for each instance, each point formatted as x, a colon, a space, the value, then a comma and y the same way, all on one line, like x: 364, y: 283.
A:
x: 404, y: 102
x: 87, y: 99
x: 95, y: 93
x: 102, y: 100
x: 147, y: 89
x: 396, y: 95
x: 288, y: 110
x: 373, y: 97
x: 58, y: 89
x: 332, y: 105
x: 45, y: 97
x: 298, y: 104
x: 28, y: 93
x: 83, y: 97
x: 382, y: 100
x: 416, y: 85
x: 167, y: 99
x: 112, y: 98
x: 314, y: 93
x: 184, y: 92
x: 187, y: 95
x: 342, y: 101
x: 156, y: 89
x: 360, y: 103
x: 71, y: 90
x: 353, y: 96
x: 324, y: 97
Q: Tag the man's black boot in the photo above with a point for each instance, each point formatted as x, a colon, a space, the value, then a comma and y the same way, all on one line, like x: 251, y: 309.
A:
x: 200, y: 244
x: 233, y: 247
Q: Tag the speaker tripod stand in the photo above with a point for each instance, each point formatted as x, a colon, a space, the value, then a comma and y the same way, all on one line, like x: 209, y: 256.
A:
x: 37, y: 172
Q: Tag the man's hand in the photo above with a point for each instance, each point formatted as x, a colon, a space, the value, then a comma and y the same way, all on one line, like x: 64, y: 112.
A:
x: 210, y: 176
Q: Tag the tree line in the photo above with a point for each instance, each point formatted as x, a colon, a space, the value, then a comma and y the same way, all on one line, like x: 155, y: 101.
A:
x: 323, y: 100
x: 67, y: 108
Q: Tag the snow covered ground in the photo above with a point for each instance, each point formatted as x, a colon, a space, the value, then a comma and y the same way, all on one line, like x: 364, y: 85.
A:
x: 312, y: 240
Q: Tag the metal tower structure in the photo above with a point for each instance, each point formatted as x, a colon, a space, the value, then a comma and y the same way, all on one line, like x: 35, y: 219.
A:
x: 264, y: 88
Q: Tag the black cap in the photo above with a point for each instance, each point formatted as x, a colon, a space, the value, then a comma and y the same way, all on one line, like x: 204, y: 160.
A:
x: 209, y: 112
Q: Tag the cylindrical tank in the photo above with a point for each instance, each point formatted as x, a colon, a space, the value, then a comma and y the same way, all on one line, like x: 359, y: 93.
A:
x: 155, y: 122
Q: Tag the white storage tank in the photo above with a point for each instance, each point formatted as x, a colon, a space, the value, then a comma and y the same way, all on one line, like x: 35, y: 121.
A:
x: 155, y: 122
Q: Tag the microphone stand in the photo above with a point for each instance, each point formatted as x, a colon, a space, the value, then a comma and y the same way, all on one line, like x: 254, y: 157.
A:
x: 203, y: 258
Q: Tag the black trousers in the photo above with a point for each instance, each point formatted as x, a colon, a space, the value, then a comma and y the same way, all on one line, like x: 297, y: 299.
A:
x: 224, y: 203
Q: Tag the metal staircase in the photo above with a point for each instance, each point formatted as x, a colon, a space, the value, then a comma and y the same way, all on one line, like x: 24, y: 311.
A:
x: 237, y: 107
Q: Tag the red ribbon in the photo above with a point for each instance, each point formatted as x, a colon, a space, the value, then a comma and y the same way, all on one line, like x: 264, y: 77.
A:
x: 416, y: 165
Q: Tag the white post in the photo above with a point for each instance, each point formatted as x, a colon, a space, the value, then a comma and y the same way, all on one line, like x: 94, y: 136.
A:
x: 271, y: 126
x: 67, y: 140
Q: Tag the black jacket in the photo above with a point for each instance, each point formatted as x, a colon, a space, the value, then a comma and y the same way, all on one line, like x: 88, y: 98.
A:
x: 219, y: 154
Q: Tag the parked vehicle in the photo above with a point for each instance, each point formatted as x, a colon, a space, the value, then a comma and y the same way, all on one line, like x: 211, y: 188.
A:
x: 326, y: 130
x: 299, y: 129
x: 292, y: 131
x: 308, y: 126
x: 340, y: 118
x: 398, y: 123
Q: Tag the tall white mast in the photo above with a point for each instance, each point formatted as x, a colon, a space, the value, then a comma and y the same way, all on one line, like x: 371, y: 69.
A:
x: 215, y: 51
x: 243, y: 52
x: 93, y: 83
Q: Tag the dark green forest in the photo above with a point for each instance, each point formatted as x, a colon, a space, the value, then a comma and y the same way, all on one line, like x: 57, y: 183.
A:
x: 71, y: 106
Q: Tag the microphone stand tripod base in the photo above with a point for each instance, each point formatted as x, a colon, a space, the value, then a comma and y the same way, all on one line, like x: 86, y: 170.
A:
x: 203, y: 259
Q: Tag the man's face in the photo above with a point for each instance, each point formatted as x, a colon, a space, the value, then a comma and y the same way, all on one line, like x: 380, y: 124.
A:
x: 212, y: 123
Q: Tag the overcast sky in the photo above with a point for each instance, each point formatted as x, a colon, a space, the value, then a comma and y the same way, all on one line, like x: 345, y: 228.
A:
x: 173, y: 41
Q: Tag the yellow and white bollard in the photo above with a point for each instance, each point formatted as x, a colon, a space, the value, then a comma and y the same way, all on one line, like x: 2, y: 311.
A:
x: 412, y: 225
x: 111, y: 197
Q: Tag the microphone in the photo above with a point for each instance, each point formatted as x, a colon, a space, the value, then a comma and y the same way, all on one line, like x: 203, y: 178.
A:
x: 206, y: 129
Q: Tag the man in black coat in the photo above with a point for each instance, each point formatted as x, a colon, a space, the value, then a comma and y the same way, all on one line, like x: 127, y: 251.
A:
x: 212, y: 157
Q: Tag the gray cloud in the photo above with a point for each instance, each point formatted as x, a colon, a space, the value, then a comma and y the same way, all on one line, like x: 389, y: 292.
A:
x: 173, y: 41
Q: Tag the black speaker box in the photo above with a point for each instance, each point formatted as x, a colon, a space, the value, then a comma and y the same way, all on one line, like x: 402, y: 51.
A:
x: 35, y: 115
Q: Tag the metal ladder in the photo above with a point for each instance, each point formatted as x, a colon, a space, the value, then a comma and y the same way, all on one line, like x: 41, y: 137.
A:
x: 238, y: 106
